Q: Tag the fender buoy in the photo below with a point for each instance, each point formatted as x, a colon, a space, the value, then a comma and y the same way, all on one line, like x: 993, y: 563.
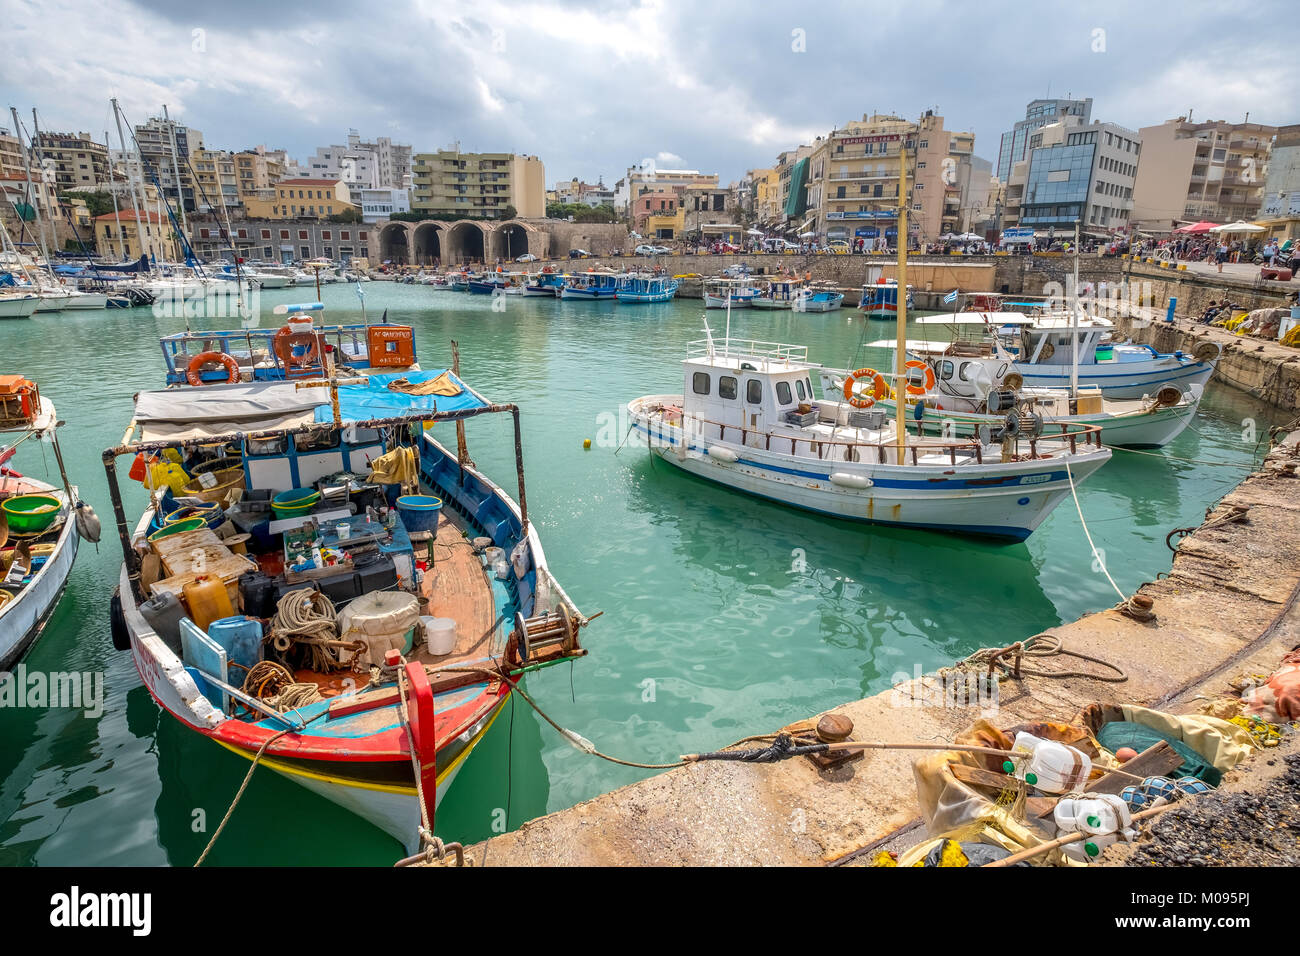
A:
x: 193, y: 376
x: 878, y: 390
x: 929, y: 378
x: 286, y: 339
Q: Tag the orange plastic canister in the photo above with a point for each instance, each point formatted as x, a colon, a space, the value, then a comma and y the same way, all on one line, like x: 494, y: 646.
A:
x: 207, y: 600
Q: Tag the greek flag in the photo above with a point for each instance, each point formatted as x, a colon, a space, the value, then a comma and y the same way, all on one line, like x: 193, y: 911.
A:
x: 950, y: 297
x: 360, y: 292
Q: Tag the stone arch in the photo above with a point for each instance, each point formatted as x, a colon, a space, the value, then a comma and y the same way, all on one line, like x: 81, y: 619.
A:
x: 427, y: 242
x: 465, y: 241
x: 514, y: 237
x: 394, y: 243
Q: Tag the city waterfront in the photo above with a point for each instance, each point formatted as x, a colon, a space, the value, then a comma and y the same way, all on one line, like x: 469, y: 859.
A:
x: 723, y: 615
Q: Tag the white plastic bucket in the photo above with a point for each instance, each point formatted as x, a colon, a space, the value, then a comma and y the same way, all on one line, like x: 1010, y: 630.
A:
x: 439, y: 635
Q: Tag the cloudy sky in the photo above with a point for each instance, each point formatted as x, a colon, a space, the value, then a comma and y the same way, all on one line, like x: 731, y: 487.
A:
x: 593, y: 86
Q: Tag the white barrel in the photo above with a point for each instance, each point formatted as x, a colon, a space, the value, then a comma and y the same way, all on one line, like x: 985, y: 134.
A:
x: 439, y: 635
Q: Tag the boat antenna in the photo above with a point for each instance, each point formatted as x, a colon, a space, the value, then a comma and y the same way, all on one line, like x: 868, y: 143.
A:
x: 708, y: 335
x: 900, y: 296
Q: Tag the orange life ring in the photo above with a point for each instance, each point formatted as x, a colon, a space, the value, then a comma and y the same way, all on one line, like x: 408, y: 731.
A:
x: 286, y: 339
x: 193, y: 376
x: 929, y: 378
x: 879, y: 388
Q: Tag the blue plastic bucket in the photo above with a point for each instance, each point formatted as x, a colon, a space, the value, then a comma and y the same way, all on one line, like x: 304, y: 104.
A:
x: 419, y: 512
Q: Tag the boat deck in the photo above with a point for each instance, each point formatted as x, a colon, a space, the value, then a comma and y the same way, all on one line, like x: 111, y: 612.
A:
x: 456, y: 586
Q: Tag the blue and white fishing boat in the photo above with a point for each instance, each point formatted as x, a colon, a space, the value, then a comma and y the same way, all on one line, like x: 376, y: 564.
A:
x: 1065, y: 349
x: 721, y: 292
x: 637, y: 287
x: 592, y: 286
x: 879, y: 299
x: 779, y: 294
x: 747, y: 418
x: 487, y: 284
x: 818, y: 300
x: 547, y: 285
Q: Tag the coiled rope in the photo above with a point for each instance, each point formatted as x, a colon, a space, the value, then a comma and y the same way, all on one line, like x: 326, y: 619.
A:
x: 305, y: 616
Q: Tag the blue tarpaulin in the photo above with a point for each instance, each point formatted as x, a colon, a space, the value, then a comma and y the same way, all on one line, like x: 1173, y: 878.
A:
x: 375, y: 400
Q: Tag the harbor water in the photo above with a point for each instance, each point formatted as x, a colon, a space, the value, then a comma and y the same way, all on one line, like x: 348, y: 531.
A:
x: 723, y: 615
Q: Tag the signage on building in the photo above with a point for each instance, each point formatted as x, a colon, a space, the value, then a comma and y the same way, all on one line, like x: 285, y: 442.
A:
x: 880, y: 138
x: 1018, y: 233
x: 875, y: 214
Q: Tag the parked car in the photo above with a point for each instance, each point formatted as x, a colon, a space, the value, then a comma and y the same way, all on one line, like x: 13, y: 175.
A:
x: 579, y: 254
x: 839, y: 247
x: 662, y: 250
x: 645, y: 249
x: 527, y: 257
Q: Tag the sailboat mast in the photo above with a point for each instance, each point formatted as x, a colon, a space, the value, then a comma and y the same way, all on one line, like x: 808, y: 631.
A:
x: 900, y: 384
x: 112, y: 188
x: 137, y: 198
x: 32, y: 201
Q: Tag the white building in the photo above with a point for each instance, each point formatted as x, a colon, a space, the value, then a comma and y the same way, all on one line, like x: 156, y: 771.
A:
x: 363, y: 165
x: 381, y: 202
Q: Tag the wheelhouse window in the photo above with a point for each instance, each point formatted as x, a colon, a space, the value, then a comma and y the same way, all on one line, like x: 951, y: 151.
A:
x: 798, y: 387
x: 783, y: 394
x: 945, y: 370
x: 727, y: 387
x: 700, y: 383
x: 754, y: 391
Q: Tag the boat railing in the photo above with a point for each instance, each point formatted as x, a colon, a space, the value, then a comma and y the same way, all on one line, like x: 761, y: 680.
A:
x: 747, y: 348
x: 232, y: 342
x: 1073, y: 433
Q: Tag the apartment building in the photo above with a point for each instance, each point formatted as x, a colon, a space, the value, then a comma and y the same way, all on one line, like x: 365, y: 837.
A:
x: 75, y: 160
x: 156, y: 139
x: 216, y: 179
x: 1212, y: 171
x: 1014, y: 146
x: 259, y: 169
x: 648, y: 178
x: 301, y: 199
x: 451, y: 184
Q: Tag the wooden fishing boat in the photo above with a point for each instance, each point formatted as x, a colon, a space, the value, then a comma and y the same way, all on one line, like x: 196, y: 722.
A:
x: 38, y: 523
x: 376, y: 632
x: 638, y: 287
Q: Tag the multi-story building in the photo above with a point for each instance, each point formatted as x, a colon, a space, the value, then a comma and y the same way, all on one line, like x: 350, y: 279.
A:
x: 278, y: 241
x: 257, y: 170
x: 216, y: 180
x: 766, y: 201
x: 11, y: 155
x: 139, y: 233
x: 301, y: 199
x: 451, y: 184
x: 577, y: 191
x: 1201, y: 171
x: 705, y: 206
x: 363, y: 165
x: 1075, y: 173
x: 649, y: 178
x: 853, y: 176
x: 792, y: 177
x: 1039, y: 113
x: 156, y: 139
x: 75, y: 160
x: 658, y: 214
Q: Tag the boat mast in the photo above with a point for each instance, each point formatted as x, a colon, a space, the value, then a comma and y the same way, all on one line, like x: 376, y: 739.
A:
x: 176, y: 169
x: 112, y: 184
x: 137, y: 200
x: 1074, y: 321
x: 31, y: 197
x: 900, y: 383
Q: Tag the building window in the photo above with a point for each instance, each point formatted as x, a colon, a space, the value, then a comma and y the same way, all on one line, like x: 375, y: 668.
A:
x: 727, y: 387
x: 266, y: 252
x: 266, y: 233
x: 325, y: 235
x: 302, y: 233
x: 306, y: 252
x: 284, y: 233
x: 700, y: 383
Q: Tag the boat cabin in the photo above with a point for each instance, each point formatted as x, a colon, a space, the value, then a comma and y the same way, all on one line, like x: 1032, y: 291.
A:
x: 752, y: 385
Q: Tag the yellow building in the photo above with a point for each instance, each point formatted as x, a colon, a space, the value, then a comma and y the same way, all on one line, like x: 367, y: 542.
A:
x: 158, y: 238
x: 214, y: 174
x: 450, y: 184
x: 256, y: 170
x: 300, y: 199
x: 768, y: 205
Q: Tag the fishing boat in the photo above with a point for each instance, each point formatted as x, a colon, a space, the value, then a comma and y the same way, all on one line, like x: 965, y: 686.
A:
x: 779, y: 294
x: 812, y: 299
x: 591, y: 286
x: 722, y: 292
x: 879, y: 299
x: 748, y: 418
x: 327, y: 636
x: 966, y: 387
x: 274, y: 355
x: 544, y: 284
x: 1046, y: 348
x: 639, y: 287
x: 38, y: 522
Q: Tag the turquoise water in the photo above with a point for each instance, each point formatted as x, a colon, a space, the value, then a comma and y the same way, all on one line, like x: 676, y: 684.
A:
x: 723, y: 615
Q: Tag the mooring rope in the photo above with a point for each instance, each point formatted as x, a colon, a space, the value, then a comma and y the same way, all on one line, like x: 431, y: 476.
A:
x: 1096, y: 555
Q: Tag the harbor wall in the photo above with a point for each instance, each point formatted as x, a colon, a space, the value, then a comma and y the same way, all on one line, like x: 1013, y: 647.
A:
x: 1227, y: 606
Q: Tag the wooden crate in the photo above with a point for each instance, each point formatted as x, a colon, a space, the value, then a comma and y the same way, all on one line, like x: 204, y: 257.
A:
x: 189, y: 554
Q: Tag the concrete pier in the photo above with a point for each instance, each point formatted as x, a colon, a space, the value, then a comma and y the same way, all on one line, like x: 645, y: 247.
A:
x: 1228, y: 605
